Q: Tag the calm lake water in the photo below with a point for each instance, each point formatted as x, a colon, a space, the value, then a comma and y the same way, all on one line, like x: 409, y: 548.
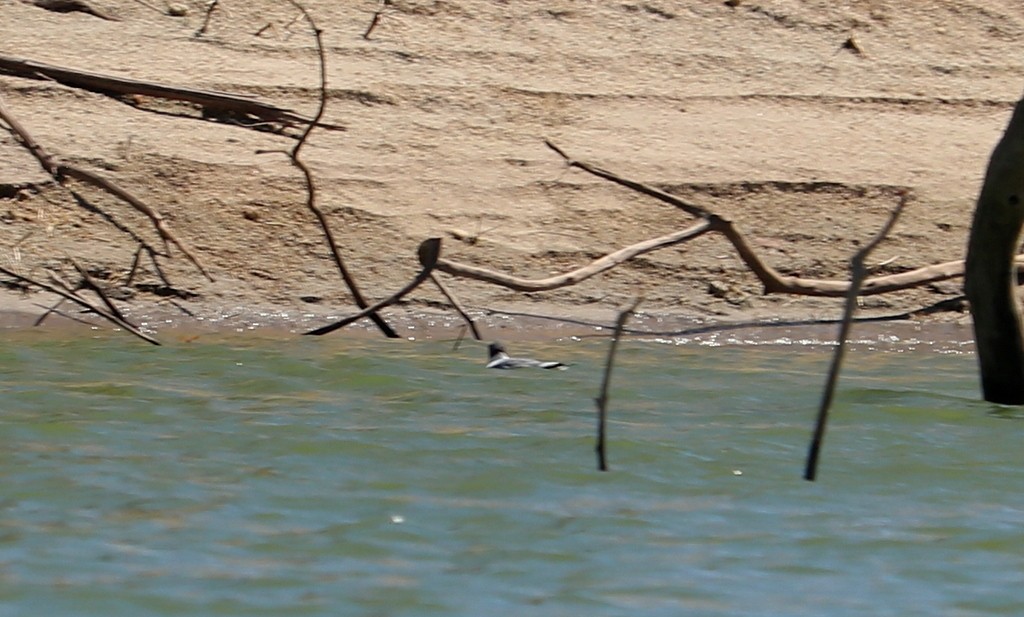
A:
x: 341, y: 476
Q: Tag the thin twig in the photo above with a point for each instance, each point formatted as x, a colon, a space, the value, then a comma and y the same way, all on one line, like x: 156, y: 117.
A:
x: 376, y: 18
x: 857, y: 275
x: 457, y: 306
x: 64, y: 293
x: 49, y: 310
x: 311, y: 186
x: 55, y: 310
x: 686, y: 206
x: 135, y: 266
x: 602, y: 399
x: 91, y: 283
x: 211, y: 6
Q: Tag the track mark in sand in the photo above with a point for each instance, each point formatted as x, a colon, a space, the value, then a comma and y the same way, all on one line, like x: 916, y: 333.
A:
x: 742, y: 187
x: 650, y: 9
x: 923, y: 104
x: 750, y: 187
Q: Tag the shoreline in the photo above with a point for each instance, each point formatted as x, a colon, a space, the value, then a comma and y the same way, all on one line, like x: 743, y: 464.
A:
x: 552, y: 323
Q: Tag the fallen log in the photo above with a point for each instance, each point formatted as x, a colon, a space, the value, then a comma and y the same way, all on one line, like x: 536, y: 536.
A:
x: 109, y: 84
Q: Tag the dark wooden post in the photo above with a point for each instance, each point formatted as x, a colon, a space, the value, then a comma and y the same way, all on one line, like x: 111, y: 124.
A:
x: 990, y: 274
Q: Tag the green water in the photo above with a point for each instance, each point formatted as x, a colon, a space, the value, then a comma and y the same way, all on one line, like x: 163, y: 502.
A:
x: 342, y: 477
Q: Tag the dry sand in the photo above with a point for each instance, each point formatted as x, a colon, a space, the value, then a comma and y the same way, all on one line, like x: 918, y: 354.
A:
x: 761, y: 111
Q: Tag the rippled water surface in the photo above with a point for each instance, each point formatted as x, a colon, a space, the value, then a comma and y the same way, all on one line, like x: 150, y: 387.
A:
x: 348, y: 477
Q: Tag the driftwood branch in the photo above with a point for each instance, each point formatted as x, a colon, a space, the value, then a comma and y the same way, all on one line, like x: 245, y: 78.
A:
x: 858, y: 272
x: 576, y: 276
x: 109, y: 84
x: 61, y: 171
x: 429, y: 251
x: 771, y: 279
x: 602, y: 400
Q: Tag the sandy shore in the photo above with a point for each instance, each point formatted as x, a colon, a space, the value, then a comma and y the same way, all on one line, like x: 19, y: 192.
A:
x: 799, y: 120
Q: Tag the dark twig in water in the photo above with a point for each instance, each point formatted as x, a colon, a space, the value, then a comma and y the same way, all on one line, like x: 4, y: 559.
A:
x: 858, y: 272
x: 602, y: 399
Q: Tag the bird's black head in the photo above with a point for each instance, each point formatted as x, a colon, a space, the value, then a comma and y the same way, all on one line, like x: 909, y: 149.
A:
x: 495, y: 348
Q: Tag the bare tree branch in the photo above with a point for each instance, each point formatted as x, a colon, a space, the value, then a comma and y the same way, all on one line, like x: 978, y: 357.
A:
x: 772, y: 280
x: 429, y: 251
x: 311, y: 186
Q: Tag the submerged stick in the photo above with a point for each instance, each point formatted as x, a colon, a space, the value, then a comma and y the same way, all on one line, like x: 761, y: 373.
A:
x: 857, y: 276
x: 602, y: 399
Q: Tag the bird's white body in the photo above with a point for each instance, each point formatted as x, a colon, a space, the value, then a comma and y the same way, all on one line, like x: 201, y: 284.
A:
x: 500, y: 359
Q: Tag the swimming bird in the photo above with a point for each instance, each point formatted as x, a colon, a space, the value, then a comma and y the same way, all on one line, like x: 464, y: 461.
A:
x: 500, y: 359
